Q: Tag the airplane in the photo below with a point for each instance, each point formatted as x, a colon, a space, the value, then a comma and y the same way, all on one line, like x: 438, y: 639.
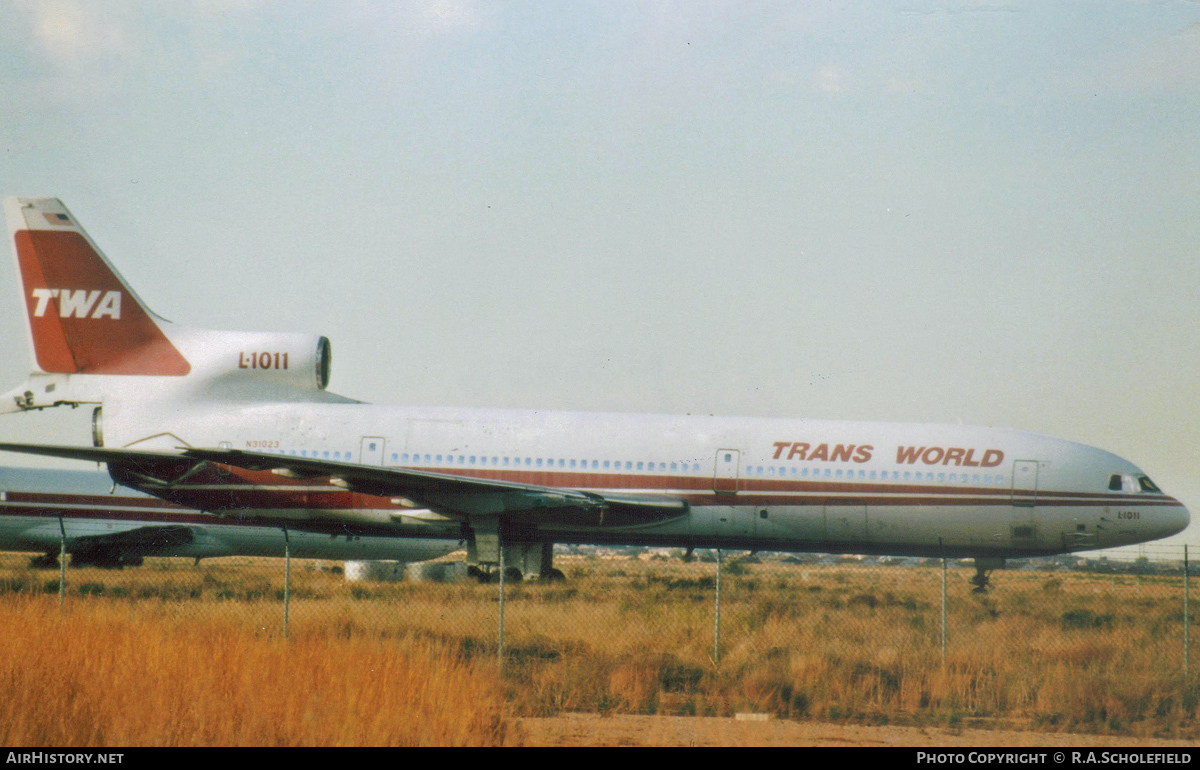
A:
x: 230, y: 422
x: 104, y: 526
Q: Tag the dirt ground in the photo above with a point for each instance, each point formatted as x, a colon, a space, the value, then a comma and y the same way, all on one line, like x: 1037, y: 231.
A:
x: 596, y: 730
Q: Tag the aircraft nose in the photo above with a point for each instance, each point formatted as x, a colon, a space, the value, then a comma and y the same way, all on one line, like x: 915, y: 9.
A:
x: 1176, y: 520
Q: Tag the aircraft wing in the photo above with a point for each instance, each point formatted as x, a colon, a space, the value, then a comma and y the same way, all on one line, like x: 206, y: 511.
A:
x: 462, y: 497
x: 148, y: 538
x: 126, y: 548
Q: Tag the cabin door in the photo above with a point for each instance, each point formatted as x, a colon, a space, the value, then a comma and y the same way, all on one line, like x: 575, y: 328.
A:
x: 1024, y: 502
x: 371, y: 450
x: 725, y: 474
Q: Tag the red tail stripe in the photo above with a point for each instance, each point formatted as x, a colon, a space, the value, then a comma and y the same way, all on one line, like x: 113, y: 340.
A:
x: 130, y: 344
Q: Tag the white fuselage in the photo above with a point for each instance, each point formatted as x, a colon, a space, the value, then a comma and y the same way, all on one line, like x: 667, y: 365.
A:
x: 766, y: 484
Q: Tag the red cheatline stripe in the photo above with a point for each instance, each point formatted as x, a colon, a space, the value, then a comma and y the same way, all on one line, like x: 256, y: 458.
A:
x: 787, y: 493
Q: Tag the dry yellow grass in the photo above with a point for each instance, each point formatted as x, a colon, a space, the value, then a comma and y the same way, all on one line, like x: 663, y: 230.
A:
x: 1068, y: 652
x: 101, y: 675
x: 1065, y: 652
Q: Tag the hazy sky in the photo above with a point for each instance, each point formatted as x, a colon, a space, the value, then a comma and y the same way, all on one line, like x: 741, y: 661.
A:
x: 896, y: 211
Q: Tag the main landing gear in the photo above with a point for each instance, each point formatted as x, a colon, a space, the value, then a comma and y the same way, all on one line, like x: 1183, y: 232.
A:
x: 522, y: 561
x: 487, y: 573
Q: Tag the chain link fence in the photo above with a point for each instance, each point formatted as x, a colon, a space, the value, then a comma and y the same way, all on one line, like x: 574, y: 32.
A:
x: 1098, y: 641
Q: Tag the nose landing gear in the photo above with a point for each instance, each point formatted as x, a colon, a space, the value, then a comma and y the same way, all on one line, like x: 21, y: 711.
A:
x: 983, y: 567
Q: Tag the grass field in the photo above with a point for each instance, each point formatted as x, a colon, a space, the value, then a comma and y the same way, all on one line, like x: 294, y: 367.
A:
x: 842, y: 642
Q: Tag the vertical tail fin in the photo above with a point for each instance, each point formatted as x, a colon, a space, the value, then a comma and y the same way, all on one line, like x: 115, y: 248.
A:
x: 83, y: 318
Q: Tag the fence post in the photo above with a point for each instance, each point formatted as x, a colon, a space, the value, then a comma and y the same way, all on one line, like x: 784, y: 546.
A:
x: 717, y: 622
x: 1186, y: 621
x: 500, y: 643
x: 62, y: 562
x: 287, y: 579
x: 943, y: 550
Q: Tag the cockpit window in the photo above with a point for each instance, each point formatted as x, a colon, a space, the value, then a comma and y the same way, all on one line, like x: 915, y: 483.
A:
x: 1118, y: 482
